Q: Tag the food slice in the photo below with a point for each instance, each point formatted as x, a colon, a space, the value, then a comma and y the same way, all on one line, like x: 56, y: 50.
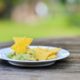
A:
x: 43, y: 54
x: 51, y: 57
x: 18, y: 49
x: 40, y: 54
x: 21, y: 45
x: 54, y: 51
x: 24, y: 40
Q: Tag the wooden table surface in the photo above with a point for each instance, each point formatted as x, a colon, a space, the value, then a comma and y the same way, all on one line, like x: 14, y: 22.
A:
x: 67, y: 69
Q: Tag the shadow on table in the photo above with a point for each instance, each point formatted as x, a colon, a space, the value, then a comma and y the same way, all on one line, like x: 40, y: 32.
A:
x: 63, y: 64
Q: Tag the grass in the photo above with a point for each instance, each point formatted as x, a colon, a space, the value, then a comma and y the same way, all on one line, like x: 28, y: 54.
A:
x: 52, y: 26
x: 49, y: 27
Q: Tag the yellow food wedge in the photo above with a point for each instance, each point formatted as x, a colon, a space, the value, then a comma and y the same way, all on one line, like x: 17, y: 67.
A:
x: 21, y: 45
x: 40, y: 54
x: 54, y: 51
x: 19, y: 49
x: 43, y: 54
x: 51, y: 57
x: 24, y: 41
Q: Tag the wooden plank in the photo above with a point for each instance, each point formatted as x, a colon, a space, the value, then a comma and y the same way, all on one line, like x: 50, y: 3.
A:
x: 55, y: 76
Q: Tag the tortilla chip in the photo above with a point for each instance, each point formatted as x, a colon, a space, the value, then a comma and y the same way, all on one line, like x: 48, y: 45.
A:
x: 51, y: 57
x: 18, y: 49
x: 54, y: 51
x: 44, y: 54
x: 24, y: 41
x: 21, y: 44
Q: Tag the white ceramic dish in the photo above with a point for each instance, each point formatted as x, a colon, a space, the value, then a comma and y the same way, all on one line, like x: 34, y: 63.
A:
x: 61, y: 55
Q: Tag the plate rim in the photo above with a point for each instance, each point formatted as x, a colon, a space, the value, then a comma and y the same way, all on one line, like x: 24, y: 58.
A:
x: 27, y: 61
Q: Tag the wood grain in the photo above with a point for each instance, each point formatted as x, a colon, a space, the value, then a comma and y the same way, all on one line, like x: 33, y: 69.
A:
x: 67, y: 69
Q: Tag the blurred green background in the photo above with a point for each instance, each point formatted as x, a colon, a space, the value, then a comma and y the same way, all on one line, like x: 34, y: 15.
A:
x: 63, y: 20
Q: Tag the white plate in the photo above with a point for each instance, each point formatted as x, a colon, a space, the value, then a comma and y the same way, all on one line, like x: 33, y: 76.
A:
x: 61, y: 55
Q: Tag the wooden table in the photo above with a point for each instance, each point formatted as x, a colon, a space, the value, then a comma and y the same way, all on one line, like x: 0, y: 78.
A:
x: 67, y: 69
